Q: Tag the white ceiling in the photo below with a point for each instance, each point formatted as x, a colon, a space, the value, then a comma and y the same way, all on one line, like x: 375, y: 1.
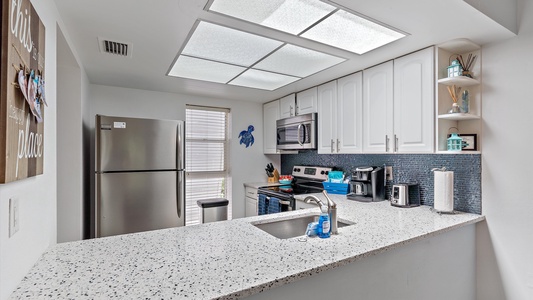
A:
x: 158, y: 29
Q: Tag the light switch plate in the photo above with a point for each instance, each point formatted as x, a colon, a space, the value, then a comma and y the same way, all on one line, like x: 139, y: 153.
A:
x: 388, y: 172
x: 14, y: 220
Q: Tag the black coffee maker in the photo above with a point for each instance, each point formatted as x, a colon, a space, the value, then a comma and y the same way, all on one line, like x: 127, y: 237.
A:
x: 367, y: 184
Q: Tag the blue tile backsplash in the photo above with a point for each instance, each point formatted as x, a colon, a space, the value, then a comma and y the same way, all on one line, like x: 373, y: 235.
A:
x: 407, y: 168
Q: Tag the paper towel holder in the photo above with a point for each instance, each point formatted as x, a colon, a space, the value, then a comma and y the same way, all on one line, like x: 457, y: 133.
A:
x: 442, y: 169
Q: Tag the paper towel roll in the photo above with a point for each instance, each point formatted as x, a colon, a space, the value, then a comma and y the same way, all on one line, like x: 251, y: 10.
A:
x: 443, y: 201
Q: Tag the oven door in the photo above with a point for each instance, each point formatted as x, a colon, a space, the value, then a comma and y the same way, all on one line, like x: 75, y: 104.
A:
x: 296, y: 133
x: 269, y: 203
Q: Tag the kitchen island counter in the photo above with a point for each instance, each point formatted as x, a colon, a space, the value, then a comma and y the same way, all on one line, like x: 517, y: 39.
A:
x: 224, y: 260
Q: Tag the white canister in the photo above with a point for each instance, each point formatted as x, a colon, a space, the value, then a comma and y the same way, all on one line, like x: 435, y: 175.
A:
x: 443, y: 186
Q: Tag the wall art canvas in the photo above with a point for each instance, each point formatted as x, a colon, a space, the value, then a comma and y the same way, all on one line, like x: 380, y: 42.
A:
x: 22, y: 96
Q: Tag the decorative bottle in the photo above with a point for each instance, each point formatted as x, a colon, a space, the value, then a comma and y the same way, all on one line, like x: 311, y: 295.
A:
x: 466, y: 101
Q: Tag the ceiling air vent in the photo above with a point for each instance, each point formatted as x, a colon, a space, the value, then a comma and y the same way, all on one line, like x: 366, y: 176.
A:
x: 113, y: 47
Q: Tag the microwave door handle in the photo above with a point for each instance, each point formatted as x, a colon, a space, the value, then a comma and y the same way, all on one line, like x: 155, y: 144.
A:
x: 298, y: 136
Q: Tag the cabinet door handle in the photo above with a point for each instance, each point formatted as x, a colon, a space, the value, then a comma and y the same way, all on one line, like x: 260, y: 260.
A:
x: 290, y: 113
x: 332, y: 142
x: 395, y: 143
x: 338, y: 148
x: 386, y: 143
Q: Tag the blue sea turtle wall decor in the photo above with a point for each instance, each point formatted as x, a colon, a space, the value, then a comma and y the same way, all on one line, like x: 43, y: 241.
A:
x: 246, y: 137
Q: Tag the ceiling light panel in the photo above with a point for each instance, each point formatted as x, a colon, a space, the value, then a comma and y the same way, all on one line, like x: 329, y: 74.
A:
x: 201, y: 69
x: 297, y: 61
x: 292, y: 16
x: 262, y: 80
x: 228, y: 45
x: 352, y: 33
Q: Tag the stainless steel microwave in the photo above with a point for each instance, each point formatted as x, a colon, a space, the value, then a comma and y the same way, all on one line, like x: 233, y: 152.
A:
x: 297, y: 133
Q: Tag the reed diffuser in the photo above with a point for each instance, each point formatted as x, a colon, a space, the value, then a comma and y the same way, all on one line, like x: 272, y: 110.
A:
x: 467, y: 65
x: 454, y: 93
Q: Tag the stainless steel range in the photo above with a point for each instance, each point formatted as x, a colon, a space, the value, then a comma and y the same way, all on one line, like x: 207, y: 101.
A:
x: 307, y: 180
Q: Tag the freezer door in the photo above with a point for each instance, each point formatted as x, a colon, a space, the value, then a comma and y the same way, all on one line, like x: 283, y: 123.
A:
x: 132, y: 144
x: 138, y: 201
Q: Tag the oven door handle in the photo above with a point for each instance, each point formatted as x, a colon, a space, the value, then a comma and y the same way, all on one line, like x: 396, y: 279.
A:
x: 284, y: 202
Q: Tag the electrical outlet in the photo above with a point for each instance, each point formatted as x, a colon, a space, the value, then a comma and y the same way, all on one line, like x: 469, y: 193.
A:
x: 14, y: 220
x: 388, y: 171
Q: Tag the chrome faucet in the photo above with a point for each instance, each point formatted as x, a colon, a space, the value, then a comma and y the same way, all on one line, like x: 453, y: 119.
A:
x: 332, y: 209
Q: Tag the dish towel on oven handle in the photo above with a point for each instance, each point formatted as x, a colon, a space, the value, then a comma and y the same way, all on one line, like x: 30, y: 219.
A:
x: 262, y: 204
x: 273, y: 205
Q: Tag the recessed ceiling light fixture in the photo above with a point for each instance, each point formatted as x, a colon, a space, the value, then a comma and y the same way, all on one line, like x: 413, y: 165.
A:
x: 224, y: 55
x: 312, y: 19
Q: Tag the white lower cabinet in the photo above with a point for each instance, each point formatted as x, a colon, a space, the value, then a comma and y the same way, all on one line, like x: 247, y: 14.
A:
x: 340, y: 111
x: 250, y: 202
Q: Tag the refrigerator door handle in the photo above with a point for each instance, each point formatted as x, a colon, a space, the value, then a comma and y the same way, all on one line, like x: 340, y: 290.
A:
x: 180, y: 190
x: 180, y: 145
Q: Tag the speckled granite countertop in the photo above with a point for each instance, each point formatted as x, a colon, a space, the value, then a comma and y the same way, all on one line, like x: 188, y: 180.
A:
x: 223, y: 260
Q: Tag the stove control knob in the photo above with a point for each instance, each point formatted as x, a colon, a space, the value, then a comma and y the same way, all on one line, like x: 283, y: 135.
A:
x: 327, y: 172
x: 323, y: 172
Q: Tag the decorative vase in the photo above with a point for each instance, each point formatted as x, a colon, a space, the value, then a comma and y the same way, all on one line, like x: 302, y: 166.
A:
x: 455, y: 109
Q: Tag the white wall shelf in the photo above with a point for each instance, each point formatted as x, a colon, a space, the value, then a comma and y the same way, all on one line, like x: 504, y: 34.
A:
x: 458, y: 152
x: 464, y: 123
x: 459, y: 81
x: 459, y: 117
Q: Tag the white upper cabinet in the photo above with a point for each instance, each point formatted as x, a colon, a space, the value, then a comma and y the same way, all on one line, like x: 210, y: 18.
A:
x: 287, y: 106
x: 327, y: 123
x: 414, y: 99
x: 270, y: 116
x: 340, y: 115
x: 350, y: 114
x: 377, y: 108
x: 306, y: 101
x: 398, y: 103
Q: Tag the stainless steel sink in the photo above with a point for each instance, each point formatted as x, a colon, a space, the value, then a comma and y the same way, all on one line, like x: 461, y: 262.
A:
x: 285, y: 229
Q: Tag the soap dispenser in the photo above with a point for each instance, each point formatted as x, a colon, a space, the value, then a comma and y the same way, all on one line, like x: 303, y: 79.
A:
x: 324, y: 226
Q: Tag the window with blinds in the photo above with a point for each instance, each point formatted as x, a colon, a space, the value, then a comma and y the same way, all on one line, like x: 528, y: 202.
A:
x: 206, y: 158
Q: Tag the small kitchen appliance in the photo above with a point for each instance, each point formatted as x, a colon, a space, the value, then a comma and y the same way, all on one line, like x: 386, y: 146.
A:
x: 367, y: 184
x: 405, y: 195
x: 297, y: 133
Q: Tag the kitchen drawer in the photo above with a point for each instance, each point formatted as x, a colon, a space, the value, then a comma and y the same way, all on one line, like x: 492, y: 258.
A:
x: 251, y: 192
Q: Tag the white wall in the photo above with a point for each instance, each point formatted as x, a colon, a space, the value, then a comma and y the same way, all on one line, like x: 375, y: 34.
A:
x: 246, y: 164
x: 69, y: 144
x: 503, y: 12
x: 37, y: 195
x: 505, y: 242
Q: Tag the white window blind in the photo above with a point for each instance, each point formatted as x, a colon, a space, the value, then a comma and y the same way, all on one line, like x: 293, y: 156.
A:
x: 206, y: 158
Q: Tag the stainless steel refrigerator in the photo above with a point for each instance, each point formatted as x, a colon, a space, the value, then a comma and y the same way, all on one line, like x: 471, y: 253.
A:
x: 140, y: 175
